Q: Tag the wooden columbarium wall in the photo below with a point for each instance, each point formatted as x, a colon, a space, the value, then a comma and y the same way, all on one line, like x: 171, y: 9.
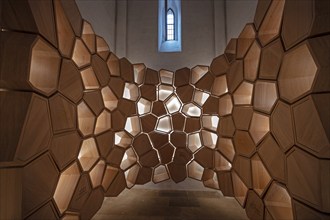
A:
x: 77, y: 123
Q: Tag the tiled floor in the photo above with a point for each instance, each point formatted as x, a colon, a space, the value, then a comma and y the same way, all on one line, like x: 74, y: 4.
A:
x: 141, y: 204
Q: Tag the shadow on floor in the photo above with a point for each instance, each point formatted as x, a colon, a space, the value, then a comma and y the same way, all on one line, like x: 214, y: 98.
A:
x: 141, y: 204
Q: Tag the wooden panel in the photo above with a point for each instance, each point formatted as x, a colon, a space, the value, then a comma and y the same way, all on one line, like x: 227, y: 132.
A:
x: 243, y: 94
x: 242, y: 167
x: 131, y: 175
x: 86, y: 119
x: 93, y: 204
x: 81, y: 55
x: 65, y: 34
x: 211, y: 106
x: 158, y: 108
x: 166, y: 153
x: 144, y: 176
x: 240, y: 190
x: 313, y: 132
x: 88, y: 36
x: 139, y: 73
x: 160, y: 174
x: 259, y: 127
x: 117, y: 185
x: 72, y: 12
x: 37, y: 122
x: 30, y: 16
x: 178, y: 172
x: 278, y: 202
x: 39, y: 187
x: 117, y: 86
x: 149, y: 159
x: 11, y: 193
x: 109, y: 176
x: 195, y: 171
x: 101, y: 71
x: 158, y: 139
x: 243, y: 143
x: 245, y: 39
x: 148, y: 123
x: 281, y: 125
x: 220, y: 162
x: 251, y: 62
x: 265, y: 96
x: 109, y: 99
x: 297, y: 73
x: 220, y: 86
x: 192, y: 125
x: 270, y: 61
x: 97, y: 173
x: 89, y: 79
x: 273, y: 158
x: 205, y: 157
x: 88, y: 154
x: 66, y: 186
x: 182, y: 77
x: 261, y: 11
x: 70, y: 84
x: 126, y: 70
x: 81, y: 193
x: 308, y: 179
x: 17, y: 105
x: 127, y: 107
x: 115, y: 157
x: 226, y: 126
x: 64, y: 148
x: 179, y: 139
x: 210, y: 179
x: 230, y: 51
x: 148, y: 92
x: 102, y: 48
x: 118, y: 120
x: 234, y: 75
x: 166, y: 77
x: 63, y: 114
x: 226, y: 183
x: 178, y: 121
x: 103, y: 122
x: 46, y: 212
x: 270, y: 27
x: 197, y: 73
x: 242, y: 117
x: 185, y: 93
x: 182, y: 156
x: 151, y: 77
x: 226, y: 147
x: 305, y: 213
x: 260, y: 176
x: 206, y: 82
x: 219, y: 65
x: 141, y: 144
x: 113, y: 65
x: 254, y: 206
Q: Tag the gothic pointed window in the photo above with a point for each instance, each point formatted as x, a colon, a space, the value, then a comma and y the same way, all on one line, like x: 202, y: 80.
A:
x: 169, y: 26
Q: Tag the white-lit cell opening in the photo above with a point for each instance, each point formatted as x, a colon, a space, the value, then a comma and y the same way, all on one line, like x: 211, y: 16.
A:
x: 109, y: 99
x: 122, y: 139
x: 200, y: 97
x: 133, y: 126
x: 88, y: 154
x: 96, y: 173
x: 173, y: 104
x: 66, y: 186
x: 197, y: 73
x: 221, y: 163
x: 103, y: 122
x: 194, y: 142
x: 144, y: 106
x: 195, y: 170
x: 164, y: 124
x: 131, y: 92
x: 131, y: 175
x: 164, y: 92
x: 86, y: 119
x: 166, y: 77
x: 139, y: 70
x: 128, y: 160
x: 192, y: 110
x: 160, y: 174
x: 210, y: 121
x: 209, y: 139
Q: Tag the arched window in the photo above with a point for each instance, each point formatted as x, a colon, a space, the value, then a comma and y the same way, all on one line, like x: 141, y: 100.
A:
x: 170, y: 25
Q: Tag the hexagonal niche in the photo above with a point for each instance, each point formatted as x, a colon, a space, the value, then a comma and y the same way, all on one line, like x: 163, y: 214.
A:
x: 200, y: 97
x: 195, y: 170
x: 251, y: 62
x: 164, y: 124
x: 194, y: 142
x: 129, y: 159
x: 86, y: 119
x: 297, y: 74
x: 265, y: 96
x: 210, y: 122
x: 308, y: 179
x: 197, y: 73
x: 260, y: 176
x: 313, y: 132
x: 220, y: 86
x: 209, y: 139
x: 131, y: 175
x: 88, y: 154
x: 166, y: 77
x: 259, y: 127
x: 210, y: 179
x: 221, y: 163
x: 131, y: 92
x: 109, y: 98
x: 122, y: 139
x: 225, y: 105
x: 144, y: 106
x: 245, y: 39
x: 160, y: 174
x: 89, y: 79
x: 225, y: 147
x: 44, y: 67
x: 173, y: 104
x: 81, y: 55
x: 244, y: 144
x: 102, y: 48
x: 240, y: 189
x: 190, y: 109
x: 278, y: 202
x: 243, y: 94
x: 66, y: 186
x: 88, y: 36
x: 133, y: 126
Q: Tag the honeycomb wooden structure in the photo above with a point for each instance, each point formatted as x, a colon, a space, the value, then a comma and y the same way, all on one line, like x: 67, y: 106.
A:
x: 77, y: 123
